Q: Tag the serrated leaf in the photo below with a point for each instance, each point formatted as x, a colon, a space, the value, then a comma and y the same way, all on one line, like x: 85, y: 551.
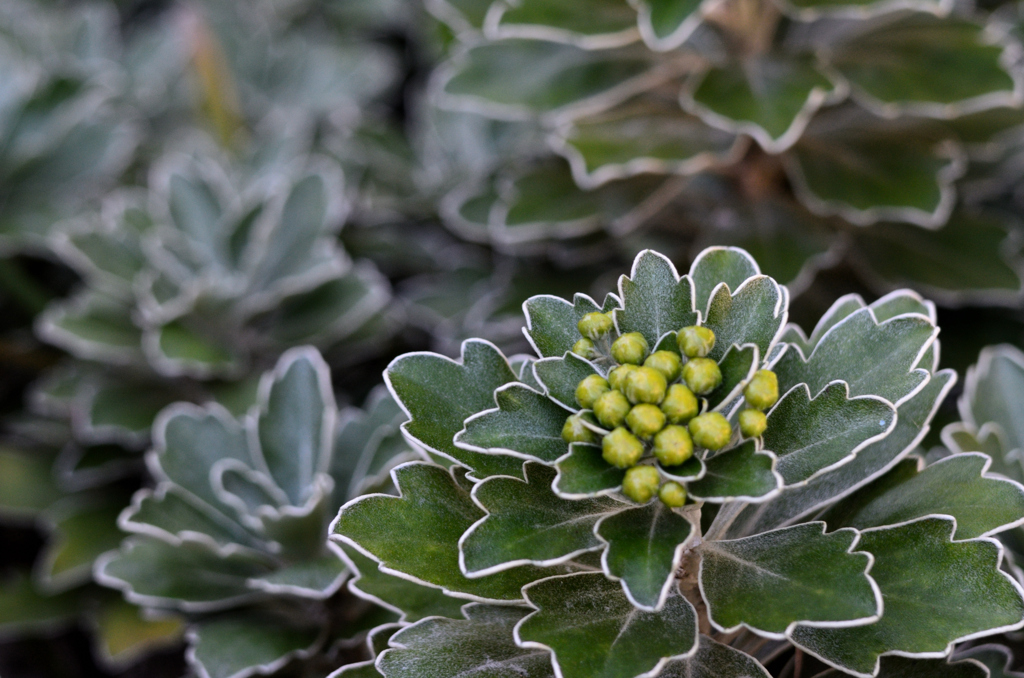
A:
x: 125, y: 635
x: 122, y: 411
x: 906, y: 667
x: 93, y: 326
x: 179, y: 350
x: 525, y: 425
x: 729, y: 265
x: 439, y: 394
x: 82, y: 529
x: 929, y: 602
x: 996, y: 658
x: 715, y: 660
x: 737, y: 366
x: 619, y: 640
x: 645, y: 544
x: 753, y: 314
x: 480, y: 645
x: 810, y: 436
x: 740, y: 473
x: 561, y: 376
x: 655, y: 300
x: 772, y: 581
x: 173, y: 512
x: 583, y: 472
x: 955, y: 486
x: 312, y: 577
x: 239, y: 646
x: 991, y: 393
x: 607, y: 23
x: 667, y: 23
x: 551, y: 322
x: 27, y: 485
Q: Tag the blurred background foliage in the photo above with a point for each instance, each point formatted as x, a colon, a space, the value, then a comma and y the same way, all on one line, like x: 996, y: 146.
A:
x: 189, y: 189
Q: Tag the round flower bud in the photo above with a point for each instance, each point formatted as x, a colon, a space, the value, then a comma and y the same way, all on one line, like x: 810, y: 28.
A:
x: 618, y: 377
x: 641, y: 483
x: 666, y: 362
x: 575, y: 432
x: 611, y: 409
x: 590, y: 389
x: 752, y: 423
x: 621, y: 449
x: 695, y: 342
x: 710, y: 430
x: 630, y: 349
x: 679, y: 405
x: 645, y: 385
x: 645, y: 420
x: 702, y: 375
x: 673, y: 445
x: 763, y: 390
x: 595, y: 325
x: 672, y: 494
x: 584, y: 348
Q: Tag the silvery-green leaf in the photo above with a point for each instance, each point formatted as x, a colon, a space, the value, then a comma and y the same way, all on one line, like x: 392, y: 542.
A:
x: 313, y: 577
x: 996, y: 658
x: 172, y: 513
x: 991, y: 393
x: 82, y: 528
x: 122, y: 411
x: 584, y: 473
x: 737, y: 366
x: 109, y: 257
x: 645, y: 544
x: 526, y: 425
x: 814, y: 435
x: 479, y: 645
x: 665, y: 24
x: 872, y: 358
x: 367, y: 442
x: 772, y: 581
x: 729, y: 265
x: 715, y: 660
x: 439, y: 394
x: 603, y: 24
x: 742, y: 473
x: 769, y: 96
x: 929, y: 602
x: 906, y: 667
x: 238, y: 646
x: 177, y: 349
x: 551, y: 322
x: 376, y: 642
x: 434, y: 511
x: 27, y: 485
x: 93, y: 326
x: 959, y: 437
x: 595, y: 632
x: 955, y: 486
x: 655, y: 300
x: 858, y: 9
x: 561, y: 376
x: 752, y: 314
x: 461, y: 14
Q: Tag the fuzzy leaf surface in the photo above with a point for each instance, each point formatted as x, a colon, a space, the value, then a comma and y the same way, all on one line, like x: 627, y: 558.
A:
x: 742, y: 471
x: 655, y: 299
x: 551, y: 322
x: 583, y: 472
x: 526, y: 424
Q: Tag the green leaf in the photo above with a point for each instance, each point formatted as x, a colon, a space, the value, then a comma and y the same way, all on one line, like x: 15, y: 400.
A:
x: 594, y: 631
x: 238, y: 646
x: 773, y: 581
x: 753, y: 314
x: 313, y: 577
x: 528, y: 524
x: 665, y: 24
x: 561, y: 376
x: 479, y: 645
x: 655, y: 300
x: 729, y: 265
x: 955, y: 486
x: 645, y: 546
x: 551, y: 322
x: 905, y: 667
x: 367, y: 443
x: 606, y: 23
x: 123, y: 411
x: 996, y: 658
x: 82, y: 529
x: 439, y: 394
x: 125, y: 634
x: 991, y: 394
x: 715, y: 660
x: 526, y: 424
x: 583, y: 473
x: 929, y: 602
x: 171, y: 512
x: 737, y: 366
x: 24, y: 609
x: 27, y: 485
x: 178, y: 350
x: 742, y: 473
x: 94, y: 327
x: 814, y: 436
x: 434, y: 511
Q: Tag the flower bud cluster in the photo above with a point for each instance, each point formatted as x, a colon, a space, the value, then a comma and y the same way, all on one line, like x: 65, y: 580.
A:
x: 649, y: 405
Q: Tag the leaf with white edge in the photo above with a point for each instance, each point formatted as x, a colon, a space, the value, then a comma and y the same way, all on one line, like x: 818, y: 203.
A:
x: 439, y: 394
x: 82, y: 528
x: 742, y: 473
x: 315, y: 577
x: 27, y: 485
x: 551, y: 322
x: 376, y: 642
x: 959, y: 438
x: 753, y: 314
x: 772, y: 581
x: 955, y: 486
x: 607, y: 23
x: 179, y: 350
x: 715, y: 660
x: 434, y: 511
x: 873, y: 359
x: 595, y: 632
x: 729, y: 265
x: 561, y: 376
x: 665, y: 24
x: 812, y: 436
x: 126, y: 633
x: 992, y: 393
x: 935, y: 592
x: 583, y: 472
x: 645, y: 545
x: 526, y: 424
x: 655, y: 300
x: 122, y: 411
x: 479, y: 645
x: 907, y: 667
x: 238, y: 646
x: 172, y: 513
x: 996, y: 658
x: 25, y: 609
x: 769, y: 96
x: 93, y: 327
x: 528, y: 524
x: 912, y: 418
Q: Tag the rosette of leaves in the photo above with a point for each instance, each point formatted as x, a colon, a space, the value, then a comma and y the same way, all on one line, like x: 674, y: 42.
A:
x: 798, y: 130
x: 823, y: 537
x: 233, y: 536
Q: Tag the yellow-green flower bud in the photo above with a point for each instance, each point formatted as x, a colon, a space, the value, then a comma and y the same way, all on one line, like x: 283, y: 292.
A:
x: 695, y: 342
x: 679, y: 405
x: 584, y: 348
x: 702, y: 375
x: 575, y: 432
x: 621, y: 449
x: 641, y: 483
x: 645, y: 420
x: 673, y: 445
x: 611, y: 409
x: 595, y: 325
x: 763, y: 390
x: 618, y: 377
x: 710, y: 430
x: 666, y: 362
x: 630, y: 348
x: 672, y: 494
x: 752, y: 423
x: 645, y: 385
x: 590, y: 389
